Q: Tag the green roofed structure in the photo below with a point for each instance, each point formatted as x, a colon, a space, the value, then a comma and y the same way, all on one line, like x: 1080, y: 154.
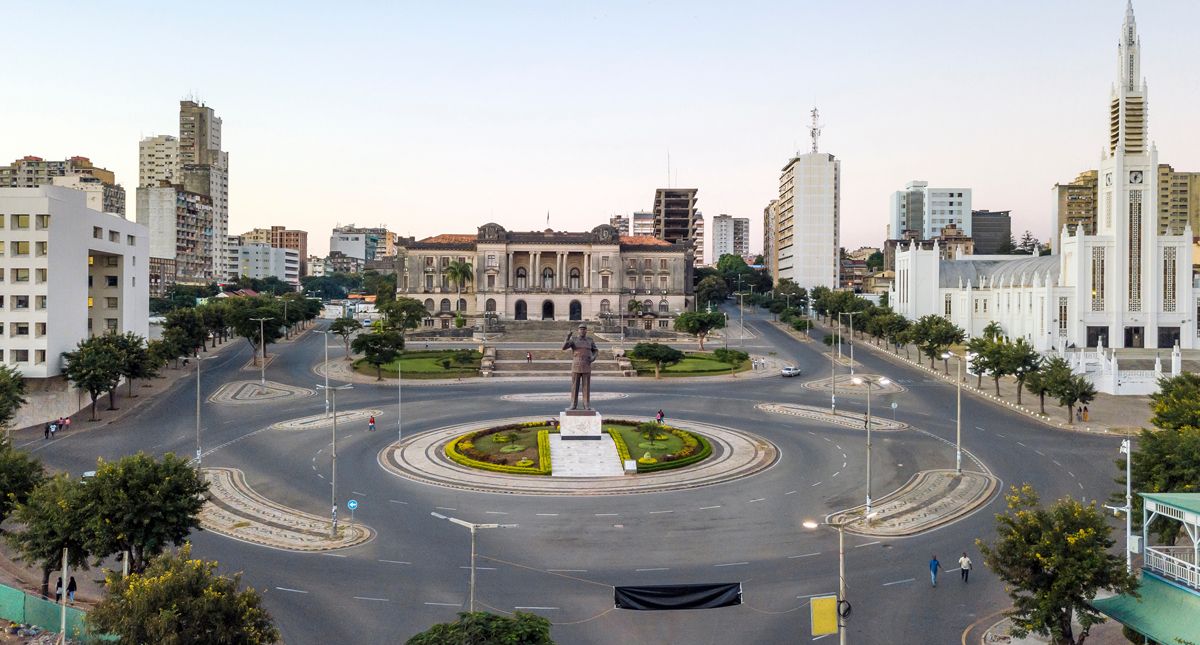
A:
x: 1167, y: 607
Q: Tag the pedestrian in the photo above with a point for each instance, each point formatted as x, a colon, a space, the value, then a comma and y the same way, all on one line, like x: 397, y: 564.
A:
x: 528, y: 357
x: 58, y: 590
x: 1085, y: 413
x: 46, y: 430
x: 67, y: 423
x: 964, y: 564
x: 53, y: 428
x: 371, y: 424
x: 659, y: 417
x: 71, y: 589
x: 934, y: 565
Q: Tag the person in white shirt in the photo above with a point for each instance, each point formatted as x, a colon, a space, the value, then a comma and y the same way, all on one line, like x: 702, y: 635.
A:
x: 964, y: 564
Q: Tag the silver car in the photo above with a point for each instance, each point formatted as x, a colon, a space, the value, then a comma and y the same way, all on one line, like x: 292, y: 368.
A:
x: 790, y: 370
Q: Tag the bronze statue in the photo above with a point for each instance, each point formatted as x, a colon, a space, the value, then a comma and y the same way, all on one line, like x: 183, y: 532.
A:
x: 584, y: 352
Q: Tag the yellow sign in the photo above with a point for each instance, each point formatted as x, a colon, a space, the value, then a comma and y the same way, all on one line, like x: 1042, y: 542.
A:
x: 824, y: 615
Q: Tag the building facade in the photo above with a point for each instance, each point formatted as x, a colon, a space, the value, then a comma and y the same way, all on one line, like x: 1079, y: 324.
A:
x: 363, y: 243
x: 927, y: 210
x: 549, y: 275
x: 622, y: 223
x: 158, y: 160
x: 182, y: 230
x: 1075, y: 205
x: 642, y: 224
x: 1124, y: 286
x: 676, y: 218
x: 259, y: 261
x: 281, y: 237
x: 103, y: 192
x: 991, y: 231
x: 770, y: 246
x: 51, y: 240
x: 730, y: 236
x: 808, y: 221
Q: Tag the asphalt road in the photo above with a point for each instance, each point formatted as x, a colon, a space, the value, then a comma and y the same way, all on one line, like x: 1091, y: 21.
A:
x: 567, y: 553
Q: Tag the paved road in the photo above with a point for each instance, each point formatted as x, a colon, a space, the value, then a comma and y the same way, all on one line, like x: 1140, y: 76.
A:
x: 569, y: 552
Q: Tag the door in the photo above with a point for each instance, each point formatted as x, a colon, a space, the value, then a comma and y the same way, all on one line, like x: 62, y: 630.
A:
x: 1134, y: 337
x: 576, y: 311
x: 547, y: 310
x: 522, y: 312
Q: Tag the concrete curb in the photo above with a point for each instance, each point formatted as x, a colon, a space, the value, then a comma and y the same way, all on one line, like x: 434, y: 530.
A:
x: 919, y: 503
x: 846, y: 419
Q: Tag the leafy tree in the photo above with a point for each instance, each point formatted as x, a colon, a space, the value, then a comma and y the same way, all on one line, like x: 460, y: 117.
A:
x: 934, y: 335
x: 699, y: 324
x: 215, y: 317
x: 875, y: 261
x: 1165, y: 461
x: 711, y: 290
x: 379, y: 348
x: 383, y: 287
x: 732, y: 357
x: 1177, y: 402
x: 993, y: 331
x: 635, y: 307
x: 193, y: 333
x: 656, y: 353
x: 95, y: 367
x: 12, y: 394
x: 1053, y: 562
x: 1047, y: 378
x: 140, y: 505
x: 176, y: 344
x: 1022, y: 361
x: 20, y: 474
x: 980, y: 348
x: 182, y: 601
x: 1076, y: 389
x: 136, y: 361
x: 243, y: 320
x: 328, y: 287
x: 53, y: 517
x: 482, y: 628
x: 346, y: 328
x: 403, y: 314
x: 461, y: 273
x: 160, y: 352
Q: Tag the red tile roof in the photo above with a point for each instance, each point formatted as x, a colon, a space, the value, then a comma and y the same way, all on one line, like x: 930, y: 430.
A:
x: 450, y: 238
x: 643, y: 240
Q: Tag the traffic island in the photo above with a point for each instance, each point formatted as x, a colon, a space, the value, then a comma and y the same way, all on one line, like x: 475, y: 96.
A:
x: 235, y: 510
x: 316, y: 421
x: 238, y: 392
x: 846, y: 419
x: 931, y: 498
x: 846, y: 386
x: 560, y: 397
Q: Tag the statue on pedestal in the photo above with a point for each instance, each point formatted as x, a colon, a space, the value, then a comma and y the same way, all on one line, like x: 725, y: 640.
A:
x: 583, y: 350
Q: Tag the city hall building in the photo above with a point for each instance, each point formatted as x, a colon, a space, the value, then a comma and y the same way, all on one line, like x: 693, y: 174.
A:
x: 548, y: 275
x: 1126, y: 285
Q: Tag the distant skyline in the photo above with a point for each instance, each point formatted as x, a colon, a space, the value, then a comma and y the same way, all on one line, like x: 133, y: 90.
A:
x: 432, y: 118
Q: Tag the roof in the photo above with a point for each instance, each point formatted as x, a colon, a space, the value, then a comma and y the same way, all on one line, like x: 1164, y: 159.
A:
x: 449, y: 238
x: 1186, y: 501
x: 1164, y: 612
x: 998, y: 273
x: 643, y: 240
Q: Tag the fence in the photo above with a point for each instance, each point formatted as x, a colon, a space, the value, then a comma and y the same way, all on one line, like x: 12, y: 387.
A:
x: 20, y: 607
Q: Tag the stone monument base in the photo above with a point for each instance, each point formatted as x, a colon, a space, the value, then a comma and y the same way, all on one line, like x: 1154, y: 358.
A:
x: 580, y: 424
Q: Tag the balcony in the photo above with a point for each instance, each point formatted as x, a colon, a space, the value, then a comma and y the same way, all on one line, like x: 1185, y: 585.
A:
x: 1174, y: 562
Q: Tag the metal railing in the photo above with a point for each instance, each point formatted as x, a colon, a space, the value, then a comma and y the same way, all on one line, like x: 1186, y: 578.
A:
x: 1174, y: 562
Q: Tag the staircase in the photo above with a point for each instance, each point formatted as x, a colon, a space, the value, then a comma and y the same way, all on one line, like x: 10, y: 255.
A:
x: 538, y: 331
x: 550, y: 362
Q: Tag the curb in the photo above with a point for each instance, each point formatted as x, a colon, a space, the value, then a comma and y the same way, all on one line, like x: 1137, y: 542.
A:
x: 976, y: 503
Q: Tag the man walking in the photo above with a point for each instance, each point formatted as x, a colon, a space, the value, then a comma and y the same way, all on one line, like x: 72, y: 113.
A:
x: 371, y: 424
x: 964, y: 564
x: 46, y: 430
x: 934, y: 565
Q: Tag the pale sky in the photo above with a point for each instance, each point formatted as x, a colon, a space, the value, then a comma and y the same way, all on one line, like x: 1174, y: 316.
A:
x: 434, y: 117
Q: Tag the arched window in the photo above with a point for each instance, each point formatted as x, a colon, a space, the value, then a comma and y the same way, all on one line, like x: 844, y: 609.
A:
x: 547, y: 278
x: 522, y: 311
x: 462, y: 304
x: 605, y: 306
x: 575, y: 310
x: 429, y: 305
x: 574, y: 277
x: 521, y: 277
x: 663, y: 306
x: 445, y: 305
x: 490, y: 305
x: 648, y: 306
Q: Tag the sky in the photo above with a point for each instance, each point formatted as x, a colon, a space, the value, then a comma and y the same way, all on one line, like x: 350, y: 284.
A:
x: 433, y: 117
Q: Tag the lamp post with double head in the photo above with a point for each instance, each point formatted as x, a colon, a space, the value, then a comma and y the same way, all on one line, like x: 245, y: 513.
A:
x: 333, y: 451
x: 843, y: 605
x: 262, y: 341
x: 958, y: 413
x: 473, y: 528
x: 198, y: 361
x: 870, y: 383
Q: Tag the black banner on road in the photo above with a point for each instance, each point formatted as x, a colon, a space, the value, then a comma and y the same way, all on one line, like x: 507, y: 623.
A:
x: 663, y: 597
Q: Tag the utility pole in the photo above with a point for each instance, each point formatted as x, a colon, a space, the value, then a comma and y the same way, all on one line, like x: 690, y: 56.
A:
x: 1127, y: 509
x: 262, y: 340
x: 333, y: 474
x: 473, y: 528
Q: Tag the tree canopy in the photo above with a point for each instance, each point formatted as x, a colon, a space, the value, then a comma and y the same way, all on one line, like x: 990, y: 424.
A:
x: 12, y: 394
x: 1164, y: 461
x: 403, y: 314
x: 482, y: 628
x: 656, y: 353
x: 379, y: 348
x: 699, y: 324
x: 53, y: 517
x: 1177, y: 402
x: 94, y: 367
x: 20, y: 474
x: 935, y: 335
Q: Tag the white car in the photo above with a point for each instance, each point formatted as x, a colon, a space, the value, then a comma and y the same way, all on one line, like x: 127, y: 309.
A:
x: 790, y: 370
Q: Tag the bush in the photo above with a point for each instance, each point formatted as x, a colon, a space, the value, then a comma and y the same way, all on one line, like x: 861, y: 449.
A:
x: 462, y: 451
x: 731, y: 356
x: 619, y: 441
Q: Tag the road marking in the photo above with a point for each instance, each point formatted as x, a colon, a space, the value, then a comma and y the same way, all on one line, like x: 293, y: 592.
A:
x: 291, y: 590
x: 445, y: 508
x: 1070, y: 473
x: 705, y: 508
x: 478, y: 568
x: 445, y: 604
x: 837, y: 446
x: 756, y: 500
x: 827, y: 439
x: 817, y: 484
x: 653, y: 569
x: 1001, y: 435
x: 333, y: 555
x: 535, y: 607
x: 844, y: 464
x: 898, y: 582
x: 805, y: 555
x: 547, y: 514
x: 1080, y: 485
x: 951, y: 570
x: 605, y: 514
x: 395, y: 562
x: 790, y: 492
x: 812, y: 433
x: 657, y: 512
x: 396, y: 501
x: 865, y: 544
x: 1040, y: 452
x: 372, y: 599
x: 1056, y: 463
x: 494, y: 513
x: 814, y: 595
x: 978, y: 428
x: 837, y: 473
x: 566, y: 570
x: 320, y: 475
x: 1022, y: 445
x: 731, y: 564
x: 355, y: 492
x: 820, y: 637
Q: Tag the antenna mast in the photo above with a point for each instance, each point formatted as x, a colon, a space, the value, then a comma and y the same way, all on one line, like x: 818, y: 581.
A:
x: 814, y: 130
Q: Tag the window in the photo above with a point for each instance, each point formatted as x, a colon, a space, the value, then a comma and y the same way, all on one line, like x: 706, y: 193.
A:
x: 1169, y: 279
x: 429, y: 261
x: 492, y: 262
x: 39, y: 356
x: 604, y: 282
x: 18, y: 355
x: 491, y: 282
x: 1097, y: 279
x: 975, y: 304
x: 110, y: 280
x: 445, y: 305
x: 605, y: 306
x: 110, y: 324
x: 131, y: 240
x: 114, y: 237
x: 429, y: 305
x: 20, y: 221
x: 110, y: 302
x: 647, y: 264
x: 547, y: 278
x: 1062, y: 316
x: 490, y: 305
x: 429, y: 282
x: 20, y: 248
x: 111, y: 261
x: 985, y: 301
x: 20, y: 275
x: 40, y: 249
x: 604, y: 262
x: 663, y: 306
x: 574, y: 278
x: 41, y: 275
x: 42, y: 222
x: 1135, y: 250
x: 39, y: 329
x: 949, y: 310
x: 19, y: 329
x: 662, y: 264
x: 521, y: 277
x: 662, y: 282
x: 664, y: 324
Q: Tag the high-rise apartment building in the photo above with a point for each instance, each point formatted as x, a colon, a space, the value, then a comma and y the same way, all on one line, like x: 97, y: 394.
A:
x: 281, y: 237
x: 180, y: 224
x: 621, y: 223
x: 1178, y: 200
x: 365, y: 244
x: 991, y: 231
x: 928, y: 210
x: 808, y: 218
x: 642, y: 224
x: 770, y: 247
x: 730, y: 236
x: 260, y: 261
x: 103, y: 192
x: 1075, y: 206
x: 158, y: 160
x: 676, y: 218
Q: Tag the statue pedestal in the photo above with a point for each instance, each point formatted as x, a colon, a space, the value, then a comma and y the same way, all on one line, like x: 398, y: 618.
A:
x: 580, y: 424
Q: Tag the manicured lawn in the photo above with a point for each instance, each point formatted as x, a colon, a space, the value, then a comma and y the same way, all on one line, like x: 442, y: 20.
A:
x: 693, y: 364
x: 424, y: 365
x: 525, y: 439
x: 638, y: 446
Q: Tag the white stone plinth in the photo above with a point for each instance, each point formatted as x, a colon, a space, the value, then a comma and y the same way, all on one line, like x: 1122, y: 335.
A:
x: 580, y: 424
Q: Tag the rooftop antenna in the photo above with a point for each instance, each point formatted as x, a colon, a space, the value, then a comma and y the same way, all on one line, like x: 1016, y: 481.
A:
x: 668, y: 167
x: 814, y: 130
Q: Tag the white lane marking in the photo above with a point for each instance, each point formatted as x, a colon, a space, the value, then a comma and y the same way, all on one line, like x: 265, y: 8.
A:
x: 1070, y: 473
x: 759, y: 499
x: 705, y: 508
x: 653, y: 569
x: 981, y: 429
x: 1001, y: 435
x: 606, y: 514
x: 1056, y: 463
x: 396, y: 501
x: 658, y: 512
x: 790, y: 492
x: 820, y: 637
x: 320, y: 475
x: 372, y: 599
x: 355, y: 492
x: 837, y: 446
x: 951, y: 570
x: 445, y: 604
x: 814, y: 595
x: 817, y: 484
x: 1080, y: 485
x: 1022, y: 445
x: 865, y: 544
x: 898, y: 582
x: 333, y: 555
x: 731, y: 564
x: 1040, y: 452
x: 478, y: 568
x: 494, y: 513
x: 544, y: 608
x: 291, y: 590
x: 827, y: 439
x: 566, y: 570
x: 844, y: 464
x: 395, y: 562
x: 547, y: 514
x: 837, y: 473
x: 445, y: 508
x: 812, y: 433
x: 803, y: 555
x: 843, y: 455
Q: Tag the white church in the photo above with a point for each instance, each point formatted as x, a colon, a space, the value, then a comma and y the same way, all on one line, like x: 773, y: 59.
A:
x: 1127, y: 286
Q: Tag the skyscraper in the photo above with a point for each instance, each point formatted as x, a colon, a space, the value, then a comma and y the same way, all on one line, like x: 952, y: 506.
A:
x: 676, y: 218
x: 204, y: 169
x: 158, y: 160
x: 730, y: 236
x: 808, y: 215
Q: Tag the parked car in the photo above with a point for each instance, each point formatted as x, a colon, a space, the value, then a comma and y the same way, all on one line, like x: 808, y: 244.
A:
x: 790, y: 370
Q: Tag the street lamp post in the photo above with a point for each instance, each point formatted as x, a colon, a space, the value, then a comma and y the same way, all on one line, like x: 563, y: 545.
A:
x: 287, y: 328
x: 198, y: 451
x: 1127, y: 509
x: 870, y: 383
x: 262, y: 340
x: 851, y: 314
x: 325, y: 369
x: 842, y: 602
x: 833, y: 381
x: 473, y: 528
x: 957, y: 414
x: 333, y: 451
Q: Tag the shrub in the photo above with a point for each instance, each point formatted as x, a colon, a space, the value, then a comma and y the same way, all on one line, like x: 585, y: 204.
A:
x: 731, y: 356
x: 619, y: 441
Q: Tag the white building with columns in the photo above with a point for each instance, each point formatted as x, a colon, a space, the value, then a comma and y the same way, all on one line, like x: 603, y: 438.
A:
x: 1126, y: 286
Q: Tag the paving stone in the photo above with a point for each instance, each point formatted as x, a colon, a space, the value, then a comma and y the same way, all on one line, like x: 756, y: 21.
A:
x: 584, y: 457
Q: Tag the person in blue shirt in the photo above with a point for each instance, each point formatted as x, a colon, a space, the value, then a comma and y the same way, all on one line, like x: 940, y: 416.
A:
x: 934, y: 565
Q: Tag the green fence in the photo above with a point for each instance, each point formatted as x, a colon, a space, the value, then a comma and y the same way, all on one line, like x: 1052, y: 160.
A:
x: 20, y: 607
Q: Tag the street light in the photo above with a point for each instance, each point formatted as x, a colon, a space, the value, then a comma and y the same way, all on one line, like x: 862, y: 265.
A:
x: 333, y: 475
x: 262, y: 339
x: 851, y: 314
x: 1127, y: 509
x: 958, y: 413
x: 326, y: 368
x: 843, y: 605
x: 473, y: 527
x: 198, y: 360
x: 870, y: 383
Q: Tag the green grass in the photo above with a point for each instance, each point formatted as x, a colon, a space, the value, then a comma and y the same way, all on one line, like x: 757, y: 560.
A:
x: 634, y: 439
x: 424, y: 365
x: 693, y: 364
x: 526, y: 439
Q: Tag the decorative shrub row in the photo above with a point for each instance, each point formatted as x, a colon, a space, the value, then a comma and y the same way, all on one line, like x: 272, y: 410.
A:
x: 619, y: 441
x: 698, y: 450
x: 543, y: 439
x: 462, y: 451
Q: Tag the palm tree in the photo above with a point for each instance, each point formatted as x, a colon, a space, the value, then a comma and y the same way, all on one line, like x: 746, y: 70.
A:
x: 460, y: 272
x: 993, y: 330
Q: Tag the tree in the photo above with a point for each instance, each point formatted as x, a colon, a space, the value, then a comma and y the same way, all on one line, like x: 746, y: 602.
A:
x: 461, y: 273
x: 1177, y: 402
x: 1023, y: 361
x: 54, y: 517
x: 1165, y: 461
x: 193, y: 334
x: 482, y: 628
x: 635, y: 307
x: 136, y: 361
x: 699, y: 324
x: 711, y: 290
x: 980, y: 348
x: 1053, y: 562
x: 383, y: 287
x: 1028, y: 244
x: 215, y: 317
x: 12, y: 394
x: 1007, y: 247
x: 182, y: 601
x: 1076, y: 389
x: 934, y: 335
x: 656, y: 353
x: 403, y: 314
x: 20, y: 474
x: 379, y: 348
x: 95, y: 367
x: 346, y: 328
x: 875, y: 261
x: 176, y: 344
x: 1046, y: 379
x: 993, y: 330
x: 243, y: 319
x: 139, y: 505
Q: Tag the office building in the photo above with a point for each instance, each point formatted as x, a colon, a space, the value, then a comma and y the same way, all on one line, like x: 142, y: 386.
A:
x: 103, y: 192
x: 928, y: 210
x: 991, y: 231
x: 260, y: 261
x: 730, y: 236
x: 808, y: 218
x: 676, y: 218
x: 181, y: 227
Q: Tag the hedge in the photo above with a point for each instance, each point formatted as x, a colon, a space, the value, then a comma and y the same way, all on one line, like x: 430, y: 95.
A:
x: 622, y: 449
x: 703, y: 453
x: 543, y: 437
x: 461, y: 459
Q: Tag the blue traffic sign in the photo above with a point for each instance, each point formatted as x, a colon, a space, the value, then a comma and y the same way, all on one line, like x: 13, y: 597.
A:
x: 352, y: 504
